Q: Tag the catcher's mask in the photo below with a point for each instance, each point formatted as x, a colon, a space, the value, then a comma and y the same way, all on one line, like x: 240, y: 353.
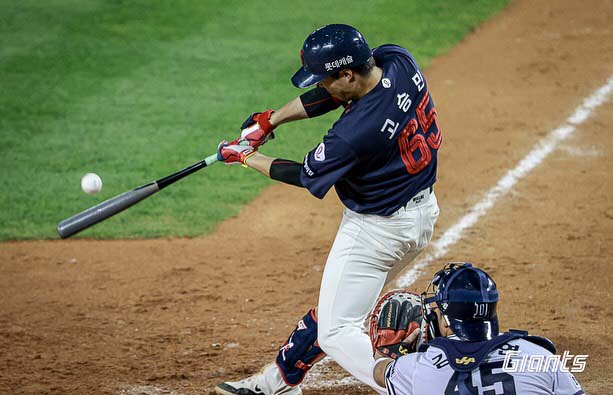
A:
x: 467, y: 299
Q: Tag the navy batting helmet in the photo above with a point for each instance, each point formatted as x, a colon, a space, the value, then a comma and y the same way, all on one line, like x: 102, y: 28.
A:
x: 329, y: 49
x: 467, y: 299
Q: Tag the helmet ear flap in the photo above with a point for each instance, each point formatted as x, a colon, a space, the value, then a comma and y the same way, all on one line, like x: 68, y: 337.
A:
x: 430, y: 322
x: 433, y: 328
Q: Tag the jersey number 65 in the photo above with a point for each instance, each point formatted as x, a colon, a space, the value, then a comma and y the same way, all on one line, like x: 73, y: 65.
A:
x: 411, y: 140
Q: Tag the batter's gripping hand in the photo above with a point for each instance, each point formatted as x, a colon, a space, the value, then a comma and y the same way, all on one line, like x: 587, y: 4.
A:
x: 257, y: 129
x: 395, y: 324
x: 232, y: 153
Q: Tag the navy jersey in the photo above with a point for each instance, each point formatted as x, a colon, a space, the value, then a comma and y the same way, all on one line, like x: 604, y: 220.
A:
x: 383, y: 149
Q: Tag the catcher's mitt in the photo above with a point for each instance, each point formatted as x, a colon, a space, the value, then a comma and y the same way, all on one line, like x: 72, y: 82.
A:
x: 397, y: 314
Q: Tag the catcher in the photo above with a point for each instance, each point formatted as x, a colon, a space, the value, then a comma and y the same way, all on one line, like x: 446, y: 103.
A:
x: 465, y: 353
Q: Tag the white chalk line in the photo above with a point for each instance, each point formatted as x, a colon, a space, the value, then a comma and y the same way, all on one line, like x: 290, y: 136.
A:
x: 539, y: 152
x: 441, y: 246
x: 147, y: 390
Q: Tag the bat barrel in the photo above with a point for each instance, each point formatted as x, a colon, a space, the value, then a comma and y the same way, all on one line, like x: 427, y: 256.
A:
x: 104, y: 210
x: 114, y: 205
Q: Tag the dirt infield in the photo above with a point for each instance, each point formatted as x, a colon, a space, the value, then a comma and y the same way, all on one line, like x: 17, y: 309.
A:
x: 179, y: 315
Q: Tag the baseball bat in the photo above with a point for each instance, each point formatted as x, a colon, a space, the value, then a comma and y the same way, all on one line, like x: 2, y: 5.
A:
x: 117, y: 204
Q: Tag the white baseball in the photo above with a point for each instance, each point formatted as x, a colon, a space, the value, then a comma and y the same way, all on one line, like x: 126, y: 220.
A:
x: 91, y: 183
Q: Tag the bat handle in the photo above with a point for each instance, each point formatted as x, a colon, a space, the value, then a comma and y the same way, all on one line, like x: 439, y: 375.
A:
x: 209, y: 160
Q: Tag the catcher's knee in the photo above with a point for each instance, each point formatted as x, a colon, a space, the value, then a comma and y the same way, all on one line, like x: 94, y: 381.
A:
x: 300, y: 351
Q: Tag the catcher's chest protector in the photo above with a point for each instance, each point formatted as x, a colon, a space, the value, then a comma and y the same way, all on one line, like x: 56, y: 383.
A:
x: 464, y: 356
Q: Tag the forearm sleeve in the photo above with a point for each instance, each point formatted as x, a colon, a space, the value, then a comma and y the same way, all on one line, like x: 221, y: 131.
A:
x: 286, y: 171
x: 318, y: 101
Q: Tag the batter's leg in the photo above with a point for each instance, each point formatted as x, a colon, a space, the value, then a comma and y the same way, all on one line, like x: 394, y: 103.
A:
x: 350, y: 285
x: 298, y: 354
x: 365, y: 250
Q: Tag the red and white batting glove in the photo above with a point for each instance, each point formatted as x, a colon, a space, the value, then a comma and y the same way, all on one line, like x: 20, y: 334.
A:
x: 233, y: 154
x: 257, y: 129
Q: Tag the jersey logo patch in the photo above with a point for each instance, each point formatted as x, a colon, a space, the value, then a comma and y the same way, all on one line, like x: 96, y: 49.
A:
x: 386, y: 83
x: 403, y: 350
x: 320, y: 153
x: 464, y: 361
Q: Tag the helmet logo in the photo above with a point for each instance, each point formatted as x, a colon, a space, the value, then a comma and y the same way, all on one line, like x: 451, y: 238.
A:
x: 480, y: 310
x: 344, y: 61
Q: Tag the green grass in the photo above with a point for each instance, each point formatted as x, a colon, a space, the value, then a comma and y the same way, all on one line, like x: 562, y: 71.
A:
x: 134, y: 90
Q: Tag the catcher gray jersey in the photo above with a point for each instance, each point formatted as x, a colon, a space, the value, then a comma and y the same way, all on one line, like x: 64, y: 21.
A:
x: 429, y: 373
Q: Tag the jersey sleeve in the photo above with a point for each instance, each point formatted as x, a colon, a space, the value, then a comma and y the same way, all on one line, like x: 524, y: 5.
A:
x: 326, y: 164
x: 399, y: 375
x: 566, y: 384
x: 318, y: 101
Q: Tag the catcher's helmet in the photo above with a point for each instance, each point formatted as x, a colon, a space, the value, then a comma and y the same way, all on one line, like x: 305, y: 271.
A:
x: 329, y: 49
x: 467, y: 298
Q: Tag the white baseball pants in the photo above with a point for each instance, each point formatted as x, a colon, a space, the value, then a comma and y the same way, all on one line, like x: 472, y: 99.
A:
x: 368, y: 251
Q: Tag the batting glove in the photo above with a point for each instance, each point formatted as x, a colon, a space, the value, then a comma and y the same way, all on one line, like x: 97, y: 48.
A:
x: 257, y: 129
x: 234, y: 154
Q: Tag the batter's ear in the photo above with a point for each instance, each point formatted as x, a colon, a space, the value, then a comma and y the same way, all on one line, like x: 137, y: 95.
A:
x: 348, y: 74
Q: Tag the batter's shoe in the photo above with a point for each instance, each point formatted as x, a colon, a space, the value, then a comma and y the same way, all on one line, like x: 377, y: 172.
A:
x: 247, y: 386
x: 267, y: 382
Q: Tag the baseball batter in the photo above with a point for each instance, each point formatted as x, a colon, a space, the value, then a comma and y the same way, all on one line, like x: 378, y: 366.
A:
x: 381, y: 158
x: 467, y: 353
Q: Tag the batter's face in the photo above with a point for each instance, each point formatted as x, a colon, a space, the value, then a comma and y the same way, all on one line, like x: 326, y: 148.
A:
x: 343, y: 88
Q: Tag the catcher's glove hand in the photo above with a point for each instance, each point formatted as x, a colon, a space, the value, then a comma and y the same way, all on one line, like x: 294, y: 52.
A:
x: 397, y: 314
